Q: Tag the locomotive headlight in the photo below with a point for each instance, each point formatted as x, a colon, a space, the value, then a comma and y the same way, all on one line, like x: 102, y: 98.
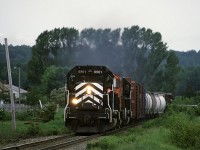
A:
x: 74, y: 101
x: 88, y: 89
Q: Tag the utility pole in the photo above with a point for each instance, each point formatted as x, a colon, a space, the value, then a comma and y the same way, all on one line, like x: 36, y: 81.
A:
x: 19, y: 90
x: 10, y: 85
x: 19, y: 85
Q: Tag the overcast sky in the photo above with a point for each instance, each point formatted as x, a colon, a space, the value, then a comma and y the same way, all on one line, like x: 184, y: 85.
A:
x: 21, y: 21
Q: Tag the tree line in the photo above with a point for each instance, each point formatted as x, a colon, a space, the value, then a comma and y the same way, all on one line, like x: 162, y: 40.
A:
x: 19, y: 57
x: 136, y: 52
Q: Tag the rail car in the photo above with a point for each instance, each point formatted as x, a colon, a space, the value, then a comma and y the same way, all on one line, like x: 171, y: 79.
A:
x: 97, y: 100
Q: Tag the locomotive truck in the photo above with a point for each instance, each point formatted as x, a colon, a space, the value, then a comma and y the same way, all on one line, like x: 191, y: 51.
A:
x: 97, y: 100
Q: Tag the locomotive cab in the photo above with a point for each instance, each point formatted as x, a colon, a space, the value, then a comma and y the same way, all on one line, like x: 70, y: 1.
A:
x: 91, y: 99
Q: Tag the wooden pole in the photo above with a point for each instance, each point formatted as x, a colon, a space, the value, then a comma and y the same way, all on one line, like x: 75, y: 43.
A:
x: 19, y: 90
x: 10, y: 85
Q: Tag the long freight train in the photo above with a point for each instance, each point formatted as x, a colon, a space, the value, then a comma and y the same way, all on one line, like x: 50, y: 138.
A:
x: 98, y: 100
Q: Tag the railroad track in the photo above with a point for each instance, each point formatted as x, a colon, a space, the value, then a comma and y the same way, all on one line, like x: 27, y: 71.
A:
x: 63, y: 141
x: 35, y: 145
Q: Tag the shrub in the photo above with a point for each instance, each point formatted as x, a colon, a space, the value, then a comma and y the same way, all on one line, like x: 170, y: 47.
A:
x: 190, y: 111
x: 49, y: 112
x: 29, y: 114
x: 24, y: 116
x: 197, y: 110
x: 34, y: 129
x: 7, y: 116
x: 58, y: 96
x: 168, y: 119
x: 53, y: 131
x: 185, y: 134
x: 2, y: 114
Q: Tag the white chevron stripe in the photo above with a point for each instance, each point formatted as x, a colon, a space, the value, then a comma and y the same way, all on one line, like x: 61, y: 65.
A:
x: 96, y: 92
x: 95, y: 84
x: 83, y: 91
x: 98, y: 85
x: 96, y: 99
x: 80, y: 92
x: 79, y: 86
x: 92, y: 89
x: 85, y: 96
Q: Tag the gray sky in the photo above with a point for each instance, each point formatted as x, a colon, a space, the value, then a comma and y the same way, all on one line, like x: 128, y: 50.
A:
x: 21, y: 21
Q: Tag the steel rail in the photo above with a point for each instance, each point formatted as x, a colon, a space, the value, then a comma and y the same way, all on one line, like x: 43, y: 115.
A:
x: 66, y: 143
x: 32, y: 144
x: 84, y: 139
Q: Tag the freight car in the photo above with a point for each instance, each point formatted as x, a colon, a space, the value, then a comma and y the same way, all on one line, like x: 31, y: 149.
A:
x: 98, y: 100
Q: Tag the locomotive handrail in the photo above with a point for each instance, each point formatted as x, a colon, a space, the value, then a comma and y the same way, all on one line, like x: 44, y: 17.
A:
x: 130, y: 103
x: 113, y: 97
x: 67, y: 91
x: 113, y: 108
x: 109, y: 108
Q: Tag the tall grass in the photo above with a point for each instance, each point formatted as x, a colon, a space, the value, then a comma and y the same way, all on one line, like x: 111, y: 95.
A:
x: 32, y: 128
x: 183, y: 124
x: 151, y: 139
x: 8, y: 135
x: 179, y: 128
x: 136, y: 139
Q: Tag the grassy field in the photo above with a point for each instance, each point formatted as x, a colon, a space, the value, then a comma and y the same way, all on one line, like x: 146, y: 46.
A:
x: 25, y: 129
x: 179, y: 128
x: 154, y: 138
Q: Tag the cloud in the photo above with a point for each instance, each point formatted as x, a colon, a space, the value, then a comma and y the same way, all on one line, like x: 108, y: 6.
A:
x: 174, y: 19
x: 16, y: 39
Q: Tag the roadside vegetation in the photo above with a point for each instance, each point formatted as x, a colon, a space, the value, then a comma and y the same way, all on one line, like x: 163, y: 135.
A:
x: 178, y: 128
x: 33, y: 123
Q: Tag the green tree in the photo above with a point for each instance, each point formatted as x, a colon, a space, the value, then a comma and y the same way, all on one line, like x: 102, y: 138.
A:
x: 53, y: 78
x: 171, y: 71
x: 52, y: 48
x: 189, y: 58
x: 34, y: 95
x: 19, y: 57
x: 100, y: 47
x: 136, y: 52
x: 144, y: 52
x: 58, y: 96
x: 189, y: 82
